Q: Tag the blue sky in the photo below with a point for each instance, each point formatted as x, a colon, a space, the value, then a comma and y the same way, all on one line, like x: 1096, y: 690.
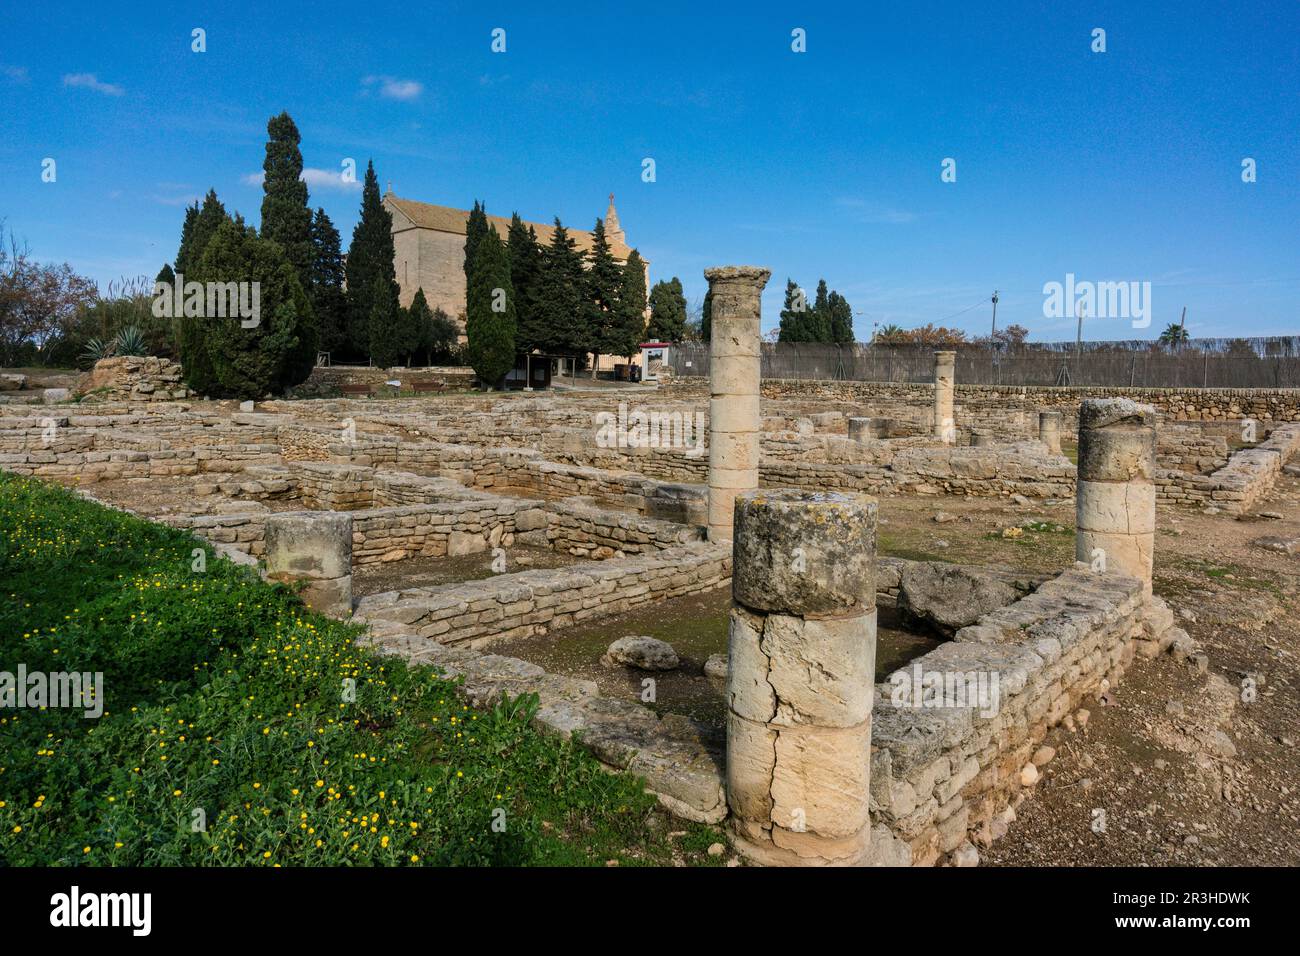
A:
x: 1123, y: 165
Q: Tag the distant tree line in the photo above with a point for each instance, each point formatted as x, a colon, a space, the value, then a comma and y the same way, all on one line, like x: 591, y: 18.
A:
x: 829, y: 319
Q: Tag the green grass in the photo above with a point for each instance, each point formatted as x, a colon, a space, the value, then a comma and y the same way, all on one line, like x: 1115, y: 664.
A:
x: 226, y: 704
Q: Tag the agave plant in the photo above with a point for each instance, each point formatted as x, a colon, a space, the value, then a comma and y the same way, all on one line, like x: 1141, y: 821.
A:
x: 95, y: 350
x: 130, y: 341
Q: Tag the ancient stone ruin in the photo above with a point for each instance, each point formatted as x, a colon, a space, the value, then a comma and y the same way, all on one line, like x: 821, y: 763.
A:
x: 531, y: 543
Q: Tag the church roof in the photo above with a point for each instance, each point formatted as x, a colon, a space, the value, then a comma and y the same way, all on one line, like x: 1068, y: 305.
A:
x: 425, y: 215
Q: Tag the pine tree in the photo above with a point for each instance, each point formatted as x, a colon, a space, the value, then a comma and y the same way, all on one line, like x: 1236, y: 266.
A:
x: 165, y: 275
x: 559, y: 318
x: 667, y: 311
x: 627, y: 330
x: 286, y: 218
x: 187, y: 236
x: 476, y: 228
x: 250, y: 362
x: 525, y: 276
x: 841, y: 319
x: 604, y: 279
x: 490, y: 311
x: 327, y: 275
x: 370, y: 256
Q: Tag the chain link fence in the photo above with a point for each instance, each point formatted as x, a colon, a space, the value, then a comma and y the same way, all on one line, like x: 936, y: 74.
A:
x: 1198, y: 363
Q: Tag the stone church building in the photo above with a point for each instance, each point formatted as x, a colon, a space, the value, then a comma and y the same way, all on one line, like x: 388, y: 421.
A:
x: 429, y: 242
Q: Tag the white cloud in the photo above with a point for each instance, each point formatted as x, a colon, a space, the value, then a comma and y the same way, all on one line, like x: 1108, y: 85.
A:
x: 16, y: 73
x: 392, y: 88
x: 90, y: 82
x: 323, y: 178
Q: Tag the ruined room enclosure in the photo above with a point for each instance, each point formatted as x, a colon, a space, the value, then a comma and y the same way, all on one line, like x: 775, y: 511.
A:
x: 513, y: 550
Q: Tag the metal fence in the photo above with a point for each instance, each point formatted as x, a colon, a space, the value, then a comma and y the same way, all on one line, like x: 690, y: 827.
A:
x: 1198, y: 363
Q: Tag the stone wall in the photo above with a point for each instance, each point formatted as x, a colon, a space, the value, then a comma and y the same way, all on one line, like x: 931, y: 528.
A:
x: 532, y: 603
x: 583, y: 530
x: 327, y: 381
x: 132, y: 378
x: 1248, y: 475
x: 946, y: 767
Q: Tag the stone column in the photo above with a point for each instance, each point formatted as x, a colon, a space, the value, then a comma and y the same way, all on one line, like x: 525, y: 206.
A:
x: 734, y: 421
x: 1049, y: 430
x: 862, y: 430
x: 800, y: 677
x: 1116, y: 496
x: 945, y: 375
x: 314, y: 547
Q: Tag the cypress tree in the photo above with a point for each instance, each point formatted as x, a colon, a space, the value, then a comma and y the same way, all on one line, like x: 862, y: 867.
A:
x: 490, y: 311
x: 706, y: 317
x: 370, y: 256
x: 250, y: 362
x: 391, y: 336
x: 794, y: 315
x: 476, y: 228
x: 819, y: 325
x: 604, y: 279
x: 327, y: 276
x: 525, y: 275
x: 286, y: 219
x: 627, y: 331
x: 201, y: 225
x: 165, y: 274
x: 841, y: 319
x: 667, y: 311
x: 421, y: 325
x: 187, y: 236
x: 559, y: 319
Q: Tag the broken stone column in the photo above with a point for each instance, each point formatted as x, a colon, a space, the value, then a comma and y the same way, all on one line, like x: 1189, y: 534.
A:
x: 800, y: 677
x: 1049, y: 430
x: 314, y: 547
x: 734, y: 422
x: 1116, y: 495
x: 945, y: 375
x: 862, y: 430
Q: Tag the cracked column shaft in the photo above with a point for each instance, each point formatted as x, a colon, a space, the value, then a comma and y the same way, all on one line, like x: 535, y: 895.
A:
x: 801, y: 676
x: 734, y: 421
x: 1116, y: 494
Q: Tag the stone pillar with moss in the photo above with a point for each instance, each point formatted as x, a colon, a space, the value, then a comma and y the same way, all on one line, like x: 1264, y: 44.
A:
x: 315, y: 548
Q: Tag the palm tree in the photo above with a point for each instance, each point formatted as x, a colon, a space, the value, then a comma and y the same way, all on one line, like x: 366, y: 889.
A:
x: 1174, y: 335
x: 891, y: 334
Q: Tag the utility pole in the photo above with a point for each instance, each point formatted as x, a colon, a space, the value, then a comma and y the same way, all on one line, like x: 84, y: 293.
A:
x: 994, y: 334
x: 1182, y: 329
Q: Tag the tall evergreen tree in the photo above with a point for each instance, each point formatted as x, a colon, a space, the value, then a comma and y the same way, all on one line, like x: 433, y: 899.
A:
x: 490, y: 311
x: 794, y: 315
x: 525, y: 277
x: 328, y: 300
x: 370, y: 256
x: 706, y: 318
x: 392, y: 336
x: 559, y: 314
x: 165, y: 274
x: 250, y: 362
x: 476, y: 227
x: 627, y: 331
x: 604, y: 279
x: 819, y: 324
x: 667, y: 311
x: 421, y: 325
x: 841, y: 319
x: 201, y: 224
x: 286, y: 218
